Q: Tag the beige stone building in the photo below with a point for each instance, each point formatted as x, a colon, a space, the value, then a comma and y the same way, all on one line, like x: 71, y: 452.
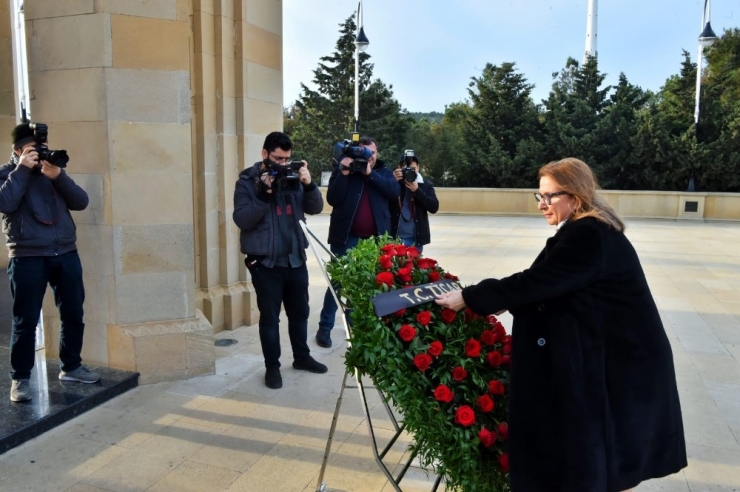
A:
x: 160, y: 103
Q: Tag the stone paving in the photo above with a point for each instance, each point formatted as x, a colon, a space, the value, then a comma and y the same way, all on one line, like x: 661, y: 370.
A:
x: 229, y: 432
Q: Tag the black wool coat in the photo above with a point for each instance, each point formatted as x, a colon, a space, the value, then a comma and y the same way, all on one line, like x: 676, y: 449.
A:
x: 593, y: 403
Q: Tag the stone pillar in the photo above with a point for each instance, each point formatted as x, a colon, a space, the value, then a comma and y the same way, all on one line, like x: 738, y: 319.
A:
x: 237, y: 87
x: 112, y: 79
x: 7, y: 99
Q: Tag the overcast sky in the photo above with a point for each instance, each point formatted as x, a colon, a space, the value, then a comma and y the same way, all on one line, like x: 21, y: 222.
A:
x: 428, y: 50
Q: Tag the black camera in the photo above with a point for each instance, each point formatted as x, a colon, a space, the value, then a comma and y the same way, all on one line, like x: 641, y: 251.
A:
x: 409, y: 174
x: 286, y: 176
x: 351, y: 148
x: 40, y: 134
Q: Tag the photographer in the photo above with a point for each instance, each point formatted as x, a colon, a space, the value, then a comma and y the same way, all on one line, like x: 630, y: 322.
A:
x: 410, y: 212
x: 360, y: 210
x: 270, y: 199
x: 35, y: 200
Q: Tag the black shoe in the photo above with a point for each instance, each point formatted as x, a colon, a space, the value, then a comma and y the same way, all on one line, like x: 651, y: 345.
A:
x: 323, y: 339
x: 273, y: 379
x: 309, y: 364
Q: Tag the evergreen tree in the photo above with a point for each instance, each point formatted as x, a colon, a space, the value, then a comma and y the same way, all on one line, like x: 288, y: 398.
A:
x: 324, y: 116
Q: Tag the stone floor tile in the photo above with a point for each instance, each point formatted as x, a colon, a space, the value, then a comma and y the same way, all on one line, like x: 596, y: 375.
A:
x: 713, y: 469
x: 705, y: 425
x: 83, y: 487
x: 717, y: 368
x: 195, y: 477
x: 285, y: 468
x: 672, y: 483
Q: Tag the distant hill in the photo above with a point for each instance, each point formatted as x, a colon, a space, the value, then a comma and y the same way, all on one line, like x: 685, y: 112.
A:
x: 434, y: 116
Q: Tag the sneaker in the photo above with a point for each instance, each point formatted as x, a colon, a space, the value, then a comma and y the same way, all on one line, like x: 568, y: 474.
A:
x: 273, y: 379
x: 322, y: 338
x: 20, y: 390
x: 80, y: 375
x: 309, y: 364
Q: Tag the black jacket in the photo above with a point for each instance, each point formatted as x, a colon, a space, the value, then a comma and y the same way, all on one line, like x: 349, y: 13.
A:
x: 593, y: 403
x: 344, y: 193
x: 423, y: 202
x: 256, y: 214
x: 36, y: 218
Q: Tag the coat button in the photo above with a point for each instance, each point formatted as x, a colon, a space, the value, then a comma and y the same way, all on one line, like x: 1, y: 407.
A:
x: 541, y: 342
x: 541, y: 307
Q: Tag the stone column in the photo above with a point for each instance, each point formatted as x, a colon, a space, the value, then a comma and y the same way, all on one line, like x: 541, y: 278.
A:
x: 7, y: 99
x: 112, y: 79
x: 237, y: 86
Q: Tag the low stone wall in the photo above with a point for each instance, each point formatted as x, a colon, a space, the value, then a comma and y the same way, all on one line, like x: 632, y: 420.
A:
x: 629, y: 204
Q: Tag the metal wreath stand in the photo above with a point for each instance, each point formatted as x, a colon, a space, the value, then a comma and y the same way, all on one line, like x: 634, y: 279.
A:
x: 377, y: 453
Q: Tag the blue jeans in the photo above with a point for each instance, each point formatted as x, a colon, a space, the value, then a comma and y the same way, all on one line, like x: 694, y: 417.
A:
x: 28, y: 279
x: 281, y: 286
x: 329, y: 311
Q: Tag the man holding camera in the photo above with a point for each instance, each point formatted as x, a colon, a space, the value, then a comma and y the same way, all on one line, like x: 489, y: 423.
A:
x: 270, y: 199
x: 410, y: 211
x: 359, y: 200
x: 36, y: 197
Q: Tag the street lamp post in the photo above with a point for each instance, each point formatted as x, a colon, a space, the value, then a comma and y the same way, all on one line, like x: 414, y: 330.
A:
x: 706, y: 39
x: 361, y: 43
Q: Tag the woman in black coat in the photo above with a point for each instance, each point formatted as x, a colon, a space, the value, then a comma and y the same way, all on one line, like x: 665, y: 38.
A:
x: 593, y: 403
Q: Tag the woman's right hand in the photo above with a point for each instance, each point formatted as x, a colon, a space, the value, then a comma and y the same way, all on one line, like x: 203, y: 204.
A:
x: 451, y: 300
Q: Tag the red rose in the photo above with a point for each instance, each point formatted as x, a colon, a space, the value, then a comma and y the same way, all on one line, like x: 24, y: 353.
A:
x: 433, y: 276
x: 500, y: 330
x: 443, y: 393
x: 503, y: 430
x: 389, y: 249
x: 507, y: 339
x: 494, y: 358
x: 472, y: 348
x: 488, y: 337
x: 426, y: 263
x: 384, y: 278
x: 400, y: 250
x: 486, y: 404
x: 449, y: 276
x: 424, y: 317
x: 400, y: 312
x: 435, y: 348
x: 506, y: 360
x: 407, y: 333
x: 506, y: 350
x: 492, y: 320
x: 404, y: 274
x: 470, y: 315
x: 385, y: 262
x: 412, y: 252
x: 459, y: 373
x: 496, y: 387
x: 448, y: 315
x: 503, y: 462
x: 487, y: 438
x: 465, y: 416
x: 422, y: 362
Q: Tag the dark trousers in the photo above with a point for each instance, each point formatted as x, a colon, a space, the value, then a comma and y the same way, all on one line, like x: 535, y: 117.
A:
x: 275, y: 287
x: 329, y: 310
x: 29, y: 277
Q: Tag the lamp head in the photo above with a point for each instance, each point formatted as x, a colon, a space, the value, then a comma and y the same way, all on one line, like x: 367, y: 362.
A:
x: 361, y: 40
x: 707, y: 36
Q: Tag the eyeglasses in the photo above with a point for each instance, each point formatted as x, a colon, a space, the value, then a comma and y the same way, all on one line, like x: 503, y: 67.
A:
x: 280, y: 160
x: 548, y: 196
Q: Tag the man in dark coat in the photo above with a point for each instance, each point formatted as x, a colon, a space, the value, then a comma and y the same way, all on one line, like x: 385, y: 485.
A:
x: 410, y: 211
x: 359, y: 210
x: 593, y: 402
x: 269, y: 201
x: 35, y: 199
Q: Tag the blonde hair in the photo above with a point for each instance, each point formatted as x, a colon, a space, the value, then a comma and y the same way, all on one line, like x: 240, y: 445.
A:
x: 578, y: 180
